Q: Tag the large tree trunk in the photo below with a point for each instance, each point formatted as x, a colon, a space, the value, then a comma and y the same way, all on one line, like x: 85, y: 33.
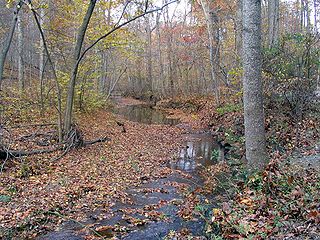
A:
x: 273, y: 22
x: 76, y: 56
x: 252, y: 86
x: 7, y: 43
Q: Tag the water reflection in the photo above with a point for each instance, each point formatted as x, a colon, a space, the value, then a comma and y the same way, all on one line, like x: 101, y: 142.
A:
x: 197, y: 151
x: 145, y: 114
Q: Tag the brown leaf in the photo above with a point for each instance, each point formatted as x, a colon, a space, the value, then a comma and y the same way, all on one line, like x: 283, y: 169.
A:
x: 226, y: 208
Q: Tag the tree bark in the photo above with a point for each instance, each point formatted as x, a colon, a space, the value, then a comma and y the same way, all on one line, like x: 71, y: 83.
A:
x: 239, y: 27
x: 273, y: 22
x: 20, y: 53
x: 210, y: 20
x: 76, y: 56
x: 316, y: 9
x: 7, y: 43
x: 41, y: 62
x: 149, y: 54
x: 161, y: 73
x: 255, y: 141
x: 59, y: 108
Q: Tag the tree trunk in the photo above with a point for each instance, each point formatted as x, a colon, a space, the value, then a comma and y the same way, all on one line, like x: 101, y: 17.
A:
x: 7, y: 43
x: 302, y: 19
x: 59, y: 108
x: 169, y: 52
x: 41, y: 50
x: 315, y: 7
x: 20, y: 53
x: 252, y: 86
x: 308, y: 20
x: 273, y: 22
x: 41, y: 62
x: 161, y: 74
x: 76, y: 62
x: 149, y: 54
x: 209, y: 16
x: 239, y: 27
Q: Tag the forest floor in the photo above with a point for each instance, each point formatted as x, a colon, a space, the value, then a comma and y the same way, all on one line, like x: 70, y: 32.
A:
x: 281, y: 202
x: 38, y: 194
x: 89, y: 185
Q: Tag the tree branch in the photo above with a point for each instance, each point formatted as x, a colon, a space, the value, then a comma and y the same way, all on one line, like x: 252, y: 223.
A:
x: 120, y: 26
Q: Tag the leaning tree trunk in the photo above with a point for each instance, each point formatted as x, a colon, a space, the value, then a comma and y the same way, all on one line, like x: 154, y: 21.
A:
x: 7, y: 42
x: 252, y: 86
x: 59, y: 108
x: 76, y: 62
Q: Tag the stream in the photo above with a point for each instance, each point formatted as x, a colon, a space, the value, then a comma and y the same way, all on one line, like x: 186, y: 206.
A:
x: 162, y: 192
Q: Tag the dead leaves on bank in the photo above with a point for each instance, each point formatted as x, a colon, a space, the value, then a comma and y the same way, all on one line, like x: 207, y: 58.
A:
x: 285, y: 203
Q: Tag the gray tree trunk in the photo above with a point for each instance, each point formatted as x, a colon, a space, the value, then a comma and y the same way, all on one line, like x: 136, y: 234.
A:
x: 7, y: 42
x: 41, y: 62
x: 41, y: 50
x: 76, y: 56
x: 161, y: 74
x: 20, y: 53
x: 307, y: 13
x: 316, y: 5
x: 212, y: 50
x: 239, y: 27
x: 171, y: 70
x: 256, y: 153
x: 59, y: 108
x: 302, y: 18
x: 149, y: 54
x: 273, y: 22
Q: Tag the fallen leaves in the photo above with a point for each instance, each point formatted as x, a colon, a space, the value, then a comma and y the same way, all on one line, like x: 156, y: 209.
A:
x: 89, y: 178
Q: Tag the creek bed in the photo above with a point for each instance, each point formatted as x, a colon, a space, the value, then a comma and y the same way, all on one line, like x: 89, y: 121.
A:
x: 195, y: 154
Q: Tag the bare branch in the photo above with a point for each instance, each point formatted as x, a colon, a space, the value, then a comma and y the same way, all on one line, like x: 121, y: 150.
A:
x: 120, y: 26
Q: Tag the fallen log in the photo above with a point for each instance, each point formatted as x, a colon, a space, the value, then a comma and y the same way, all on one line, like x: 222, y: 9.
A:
x: 33, y: 125
x: 5, y: 154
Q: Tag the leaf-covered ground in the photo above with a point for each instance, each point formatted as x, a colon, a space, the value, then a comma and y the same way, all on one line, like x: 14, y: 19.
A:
x: 94, y: 177
x: 282, y: 202
x: 37, y: 194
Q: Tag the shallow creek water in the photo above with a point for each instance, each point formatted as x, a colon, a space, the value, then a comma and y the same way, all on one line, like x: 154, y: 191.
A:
x: 195, y: 154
